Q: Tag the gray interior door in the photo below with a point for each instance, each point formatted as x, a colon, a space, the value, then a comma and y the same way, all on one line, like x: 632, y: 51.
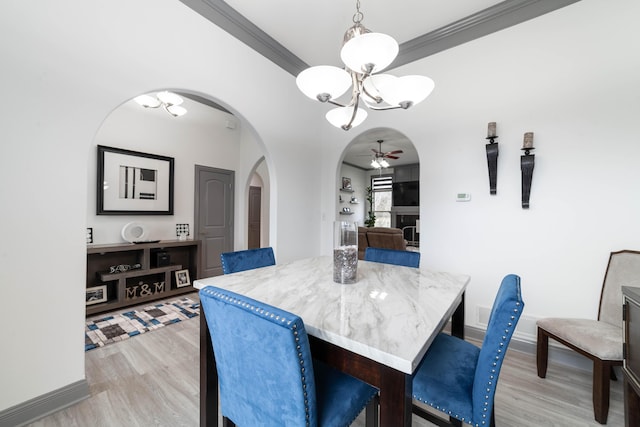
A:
x: 214, y: 216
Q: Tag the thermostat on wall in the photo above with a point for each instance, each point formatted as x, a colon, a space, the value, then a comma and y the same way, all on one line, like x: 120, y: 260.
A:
x: 463, y: 197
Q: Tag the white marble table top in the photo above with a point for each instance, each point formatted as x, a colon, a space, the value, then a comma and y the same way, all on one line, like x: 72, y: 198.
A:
x: 390, y: 315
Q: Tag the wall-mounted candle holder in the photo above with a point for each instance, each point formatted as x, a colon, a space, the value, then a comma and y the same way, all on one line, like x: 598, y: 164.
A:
x: 527, y: 162
x: 492, y: 157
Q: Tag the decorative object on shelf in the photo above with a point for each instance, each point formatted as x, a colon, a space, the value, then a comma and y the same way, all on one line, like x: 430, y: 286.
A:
x: 89, y: 235
x: 163, y: 259
x: 365, y: 54
x: 117, y: 327
x: 346, y: 209
x: 346, y: 183
x: 96, y: 294
x: 371, y: 216
x: 134, y: 183
x: 492, y: 157
x: 143, y: 289
x: 345, y: 252
x: 354, y: 200
x: 182, y: 278
x: 134, y: 232
x: 121, y: 268
x: 182, y: 231
x: 169, y: 101
x: 527, y: 162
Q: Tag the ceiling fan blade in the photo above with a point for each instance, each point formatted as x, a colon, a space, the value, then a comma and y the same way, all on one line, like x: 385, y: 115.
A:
x: 376, y: 151
x: 395, y: 152
x: 391, y: 157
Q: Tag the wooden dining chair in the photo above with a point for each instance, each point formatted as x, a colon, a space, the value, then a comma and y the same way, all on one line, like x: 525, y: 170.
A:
x: 248, y: 259
x: 392, y: 256
x: 459, y: 379
x: 266, y: 373
x: 600, y: 340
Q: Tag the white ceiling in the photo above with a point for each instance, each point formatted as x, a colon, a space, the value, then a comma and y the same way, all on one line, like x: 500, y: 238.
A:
x: 296, y: 34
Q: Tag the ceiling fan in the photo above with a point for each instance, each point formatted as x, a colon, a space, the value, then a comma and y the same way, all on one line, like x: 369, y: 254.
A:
x: 379, y: 159
x: 379, y: 154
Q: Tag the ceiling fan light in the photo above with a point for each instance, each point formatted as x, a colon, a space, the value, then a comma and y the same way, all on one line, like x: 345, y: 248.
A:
x: 169, y: 98
x: 375, y: 164
x: 176, y: 110
x: 375, y: 49
x: 383, y: 163
x: 408, y: 90
x: 340, y: 116
x: 323, y: 79
x: 147, y: 101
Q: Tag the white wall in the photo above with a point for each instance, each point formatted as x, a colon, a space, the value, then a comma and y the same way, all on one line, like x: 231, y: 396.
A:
x: 66, y: 66
x: 359, y: 183
x: 570, y: 77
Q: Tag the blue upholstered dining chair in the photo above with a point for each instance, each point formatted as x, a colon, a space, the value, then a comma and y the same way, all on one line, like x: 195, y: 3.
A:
x: 392, y: 256
x: 265, y: 371
x: 249, y: 259
x: 458, y: 378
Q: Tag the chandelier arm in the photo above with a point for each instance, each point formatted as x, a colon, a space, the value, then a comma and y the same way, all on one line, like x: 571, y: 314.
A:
x: 331, y: 101
x: 393, y: 107
x: 355, y: 111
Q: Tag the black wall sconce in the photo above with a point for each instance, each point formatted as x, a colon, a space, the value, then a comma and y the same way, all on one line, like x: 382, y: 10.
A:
x: 526, y: 167
x: 492, y: 157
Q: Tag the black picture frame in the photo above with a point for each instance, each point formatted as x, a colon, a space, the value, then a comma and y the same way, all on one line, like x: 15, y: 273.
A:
x: 133, y: 183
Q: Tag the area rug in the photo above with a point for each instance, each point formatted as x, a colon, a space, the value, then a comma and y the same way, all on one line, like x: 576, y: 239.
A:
x: 117, y: 327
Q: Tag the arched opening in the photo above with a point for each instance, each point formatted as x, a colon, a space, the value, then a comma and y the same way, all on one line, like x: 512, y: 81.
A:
x: 385, y: 161
x: 209, y: 136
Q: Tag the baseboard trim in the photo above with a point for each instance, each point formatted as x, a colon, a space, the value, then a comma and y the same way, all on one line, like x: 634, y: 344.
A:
x: 41, y: 406
x: 557, y: 353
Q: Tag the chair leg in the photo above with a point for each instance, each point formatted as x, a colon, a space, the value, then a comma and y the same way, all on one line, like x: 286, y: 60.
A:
x: 601, y: 378
x: 542, y: 352
x: 371, y: 412
x: 226, y: 422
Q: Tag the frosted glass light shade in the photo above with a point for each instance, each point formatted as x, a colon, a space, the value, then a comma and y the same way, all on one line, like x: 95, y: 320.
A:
x: 371, y: 48
x: 374, y: 86
x: 169, y: 98
x: 323, y: 79
x: 176, y: 110
x: 407, y: 89
x: 340, y: 116
x: 147, y: 101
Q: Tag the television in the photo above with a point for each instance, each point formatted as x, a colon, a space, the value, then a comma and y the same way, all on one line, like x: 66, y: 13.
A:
x: 406, y: 193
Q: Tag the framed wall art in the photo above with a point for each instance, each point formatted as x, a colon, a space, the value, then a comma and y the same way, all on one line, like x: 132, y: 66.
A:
x: 134, y: 183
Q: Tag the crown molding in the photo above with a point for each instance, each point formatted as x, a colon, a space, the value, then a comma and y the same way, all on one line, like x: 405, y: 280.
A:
x: 495, y: 18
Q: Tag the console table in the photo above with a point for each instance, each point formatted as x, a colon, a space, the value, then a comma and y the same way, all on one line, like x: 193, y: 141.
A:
x: 149, y: 273
x: 631, y: 352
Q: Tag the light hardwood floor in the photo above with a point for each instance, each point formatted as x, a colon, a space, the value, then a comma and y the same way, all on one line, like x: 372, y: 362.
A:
x: 152, y: 380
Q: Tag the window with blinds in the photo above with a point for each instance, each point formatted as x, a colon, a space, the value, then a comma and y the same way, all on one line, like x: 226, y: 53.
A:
x: 382, y: 197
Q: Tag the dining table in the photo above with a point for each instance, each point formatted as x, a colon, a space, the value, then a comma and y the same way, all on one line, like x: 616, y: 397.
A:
x: 377, y: 329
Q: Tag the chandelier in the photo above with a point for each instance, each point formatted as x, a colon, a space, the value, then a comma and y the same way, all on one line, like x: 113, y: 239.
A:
x: 364, y: 54
x: 169, y: 101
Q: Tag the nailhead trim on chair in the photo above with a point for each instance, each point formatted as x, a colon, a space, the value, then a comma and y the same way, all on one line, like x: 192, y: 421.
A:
x: 294, y: 327
x: 490, y: 384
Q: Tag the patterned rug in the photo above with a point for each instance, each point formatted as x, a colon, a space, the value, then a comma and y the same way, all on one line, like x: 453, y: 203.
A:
x: 117, y: 327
